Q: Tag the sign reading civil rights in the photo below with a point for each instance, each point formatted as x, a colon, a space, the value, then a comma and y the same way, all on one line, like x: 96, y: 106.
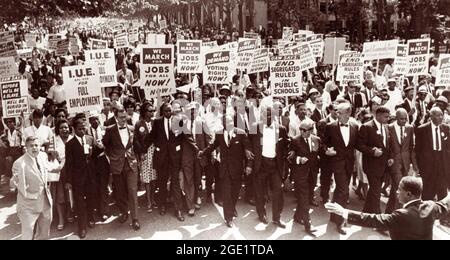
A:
x: 285, y: 75
x: 157, y: 70
x: 380, y: 50
x: 401, y: 64
x: 443, y: 72
x: 189, y: 56
x: 217, y: 67
x: 82, y: 87
x: 418, y: 54
x: 14, y: 98
x: 106, y: 62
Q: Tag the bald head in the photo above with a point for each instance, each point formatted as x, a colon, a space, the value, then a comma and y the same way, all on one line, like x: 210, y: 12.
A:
x: 306, y: 128
x: 402, y: 116
x: 437, y: 116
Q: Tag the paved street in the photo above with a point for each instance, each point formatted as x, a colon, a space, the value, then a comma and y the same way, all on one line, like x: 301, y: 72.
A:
x: 207, y: 224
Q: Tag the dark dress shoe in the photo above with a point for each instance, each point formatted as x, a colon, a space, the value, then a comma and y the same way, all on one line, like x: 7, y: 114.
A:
x: 263, y: 220
x: 310, y: 229
x: 299, y: 221
x: 162, y: 211
x: 279, y: 224
x: 314, y: 203
x: 82, y: 233
x: 179, y: 216
x: 123, y: 218
x: 235, y: 214
x: 341, y: 230
x: 359, y: 194
x: 229, y: 223
x: 135, y: 225
x: 91, y: 224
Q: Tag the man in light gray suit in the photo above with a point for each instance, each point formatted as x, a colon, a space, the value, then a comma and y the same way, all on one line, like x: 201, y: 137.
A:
x: 402, y: 153
x: 34, y: 202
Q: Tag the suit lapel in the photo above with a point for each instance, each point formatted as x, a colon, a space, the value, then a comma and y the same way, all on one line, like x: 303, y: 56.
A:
x: 116, y: 131
x: 338, y: 130
x: 36, y: 171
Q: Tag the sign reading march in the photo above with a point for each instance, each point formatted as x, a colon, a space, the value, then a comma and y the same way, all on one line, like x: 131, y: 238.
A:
x: 418, y: 53
x: 157, y: 70
x: 443, y: 72
x: 190, y: 58
x: 98, y: 44
x: 285, y: 75
x: 217, y: 67
x: 106, y: 63
x: 14, y: 98
x: 401, y: 64
x: 82, y: 86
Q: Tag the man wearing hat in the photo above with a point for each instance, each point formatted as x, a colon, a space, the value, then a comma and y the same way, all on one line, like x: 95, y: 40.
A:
x: 442, y: 103
x: 422, y: 106
x: 310, y: 102
x: 225, y: 91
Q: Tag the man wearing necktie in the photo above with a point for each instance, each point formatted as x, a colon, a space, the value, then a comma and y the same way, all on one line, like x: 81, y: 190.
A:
x: 373, y: 142
x: 354, y: 97
x: 433, y: 150
x: 402, y: 153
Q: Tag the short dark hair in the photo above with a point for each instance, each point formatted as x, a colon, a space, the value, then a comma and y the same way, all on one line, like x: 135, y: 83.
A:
x: 412, y: 184
x: 37, y: 113
x: 58, y: 125
x: 299, y: 105
x: 382, y: 110
x: 119, y: 110
x: 78, y: 121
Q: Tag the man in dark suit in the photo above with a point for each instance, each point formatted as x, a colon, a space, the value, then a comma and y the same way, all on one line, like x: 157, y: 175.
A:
x: 118, y: 143
x: 415, y: 221
x: 339, y: 145
x: 269, y: 145
x: 168, y: 139
x: 408, y: 104
x: 303, y: 155
x: 369, y: 91
x: 324, y: 162
x: 402, y: 153
x: 373, y: 142
x: 319, y: 113
x: 80, y: 176
x: 234, y: 148
x: 432, y: 153
x: 355, y: 98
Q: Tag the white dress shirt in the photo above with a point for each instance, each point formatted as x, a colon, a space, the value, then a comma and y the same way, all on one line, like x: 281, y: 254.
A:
x: 381, y: 131
x: 13, y: 138
x: 398, y: 131
x: 124, y: 136
x: 438, y: 137
x: 345, y: 132
x: 167, y: 126
x: 44, y: 133
x: 269, y: 142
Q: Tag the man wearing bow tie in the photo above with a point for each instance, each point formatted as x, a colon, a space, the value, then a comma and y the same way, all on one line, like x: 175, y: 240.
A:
x: 339, y: 144
x: 118, y: 143
x: 432, y: 150
x: 373, y: 142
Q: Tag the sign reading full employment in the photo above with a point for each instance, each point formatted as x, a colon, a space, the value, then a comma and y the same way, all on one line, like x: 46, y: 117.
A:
x: 401, y: 64
x: 157, y: 70
x: 260, y: 61
x: 443, y: 72
x: 98, y: 44
x: 106, y: 62
x: 285, y: 75
x: 418, y: 53
x: 190, y: 58
x: 217, y: 67
x: 82, y: 86
x: 246, y: 48
x: 351, y: 68
x: 14, y: 98
x: 380, y: 50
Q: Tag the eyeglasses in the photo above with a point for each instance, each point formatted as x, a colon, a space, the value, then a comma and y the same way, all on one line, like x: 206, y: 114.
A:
x: 306, y: 130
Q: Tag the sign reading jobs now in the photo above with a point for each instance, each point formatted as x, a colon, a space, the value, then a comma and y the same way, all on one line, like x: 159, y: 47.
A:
x: 189, y: 56
x: 443, y: 73
x: 285, y: 75
x: 82, y: 86
x: 418, y: 54
x: 157, y: 70
x: 14, y: 98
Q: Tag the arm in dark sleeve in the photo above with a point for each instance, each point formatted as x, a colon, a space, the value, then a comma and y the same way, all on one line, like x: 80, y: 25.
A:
x: 373, y: 220
x: 363, y: 135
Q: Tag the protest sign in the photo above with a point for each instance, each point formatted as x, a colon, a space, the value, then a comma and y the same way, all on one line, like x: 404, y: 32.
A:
x: 156, y: 39
x: 285, y: 76
x: 106, y: 62
x: 157, y: 70
x: 163, y: 24
x: 133, y: 35
x: 251, y: 35
x: 30, y: 39
x: 98, y: 44
x: 74, y: 47
x: 217, y: 67
x: 443, y: 72
x: 62, y: 47
x: 260, y: 61
x: 82, y: 87
x: 317, y: 44
x: 332, y: 48
x: 7, y: 47
x: 53, y: 41
x: 232, y: 47
x: 288, y: 33
x: 14, y: 98
x: 246, y: 48
x: 8, y: 66
x: 380, y: 50
x: 189, y: 56
x: 350, y: 68
x: 401, y: 64
x: 418, y: 54
x: 121, y: 41
x: 206, y: 46
x: 24, y: 53
x: 307, y: 60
